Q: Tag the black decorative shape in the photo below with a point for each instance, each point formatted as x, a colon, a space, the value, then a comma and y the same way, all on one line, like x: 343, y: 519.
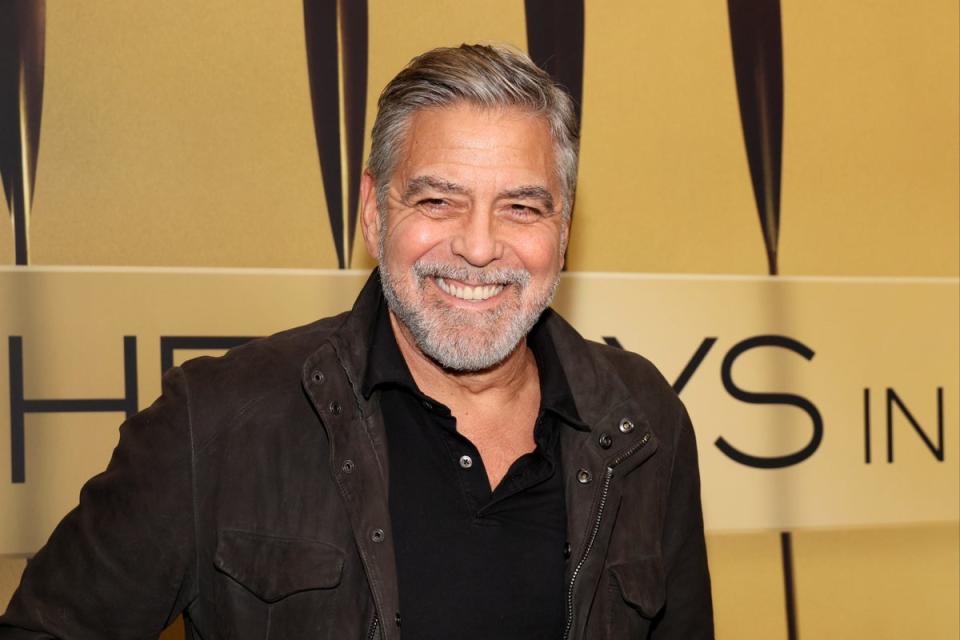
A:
x: 22, y: 28
x: 336, y: 38
x: 789, y: 589
x: 354, y: 46
x: 757, y: 41
x: 555, y: 42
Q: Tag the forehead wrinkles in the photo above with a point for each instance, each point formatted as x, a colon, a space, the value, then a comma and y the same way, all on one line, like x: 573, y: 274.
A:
x: 485, y: 136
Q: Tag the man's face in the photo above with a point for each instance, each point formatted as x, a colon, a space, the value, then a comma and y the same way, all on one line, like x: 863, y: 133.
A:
x: 472, y: 244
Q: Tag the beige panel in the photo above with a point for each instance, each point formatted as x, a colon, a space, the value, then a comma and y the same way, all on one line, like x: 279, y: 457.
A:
x: 872, y: 138
x: 664, y: 184
x: 747, y: 578
x: 73, y: 323
x: 863, y: 334
x: 882, y: 584
x: 178, y: 134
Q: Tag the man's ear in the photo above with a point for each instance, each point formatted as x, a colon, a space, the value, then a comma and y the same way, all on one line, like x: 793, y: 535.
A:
x: 369, y: 215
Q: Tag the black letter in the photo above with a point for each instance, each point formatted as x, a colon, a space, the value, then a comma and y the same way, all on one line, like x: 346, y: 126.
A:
x: 20, y: 406
x: 892, y: 397
x: 693, y: 365
x: 770, y: 398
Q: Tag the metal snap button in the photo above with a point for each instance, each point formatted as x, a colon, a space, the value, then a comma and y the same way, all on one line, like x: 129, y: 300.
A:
x: 318, y: 376
x: 626, y: 426
x: 584, y: 476
x: 466, y: 462
x: 377, y: 535
x: 335, y: 408
x: 347, y: 466
x: 566, y: 550
x: 605, y: 441
x: 397, y: 618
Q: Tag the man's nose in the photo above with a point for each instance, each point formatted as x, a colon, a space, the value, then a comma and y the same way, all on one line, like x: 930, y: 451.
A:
x: 477, y: 240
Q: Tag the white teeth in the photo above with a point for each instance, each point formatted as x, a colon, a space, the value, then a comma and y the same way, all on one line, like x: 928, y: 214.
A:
x: 467, y: 292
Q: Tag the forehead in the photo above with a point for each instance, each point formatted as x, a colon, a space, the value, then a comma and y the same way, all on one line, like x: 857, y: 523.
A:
x: 464, y: 138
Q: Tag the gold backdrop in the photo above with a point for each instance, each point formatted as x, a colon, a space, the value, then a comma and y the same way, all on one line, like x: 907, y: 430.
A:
x: 181, y: 134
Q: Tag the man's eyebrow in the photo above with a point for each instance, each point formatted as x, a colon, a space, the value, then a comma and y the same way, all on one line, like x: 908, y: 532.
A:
x: 421, y: 183
x: 529, y: 192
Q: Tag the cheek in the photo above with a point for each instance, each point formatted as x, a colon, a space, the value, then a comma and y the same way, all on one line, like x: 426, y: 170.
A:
x: 412, y: 240
x: 540, y: 253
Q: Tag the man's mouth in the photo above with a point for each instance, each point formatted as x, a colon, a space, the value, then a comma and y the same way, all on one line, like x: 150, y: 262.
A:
x: 468, y: 292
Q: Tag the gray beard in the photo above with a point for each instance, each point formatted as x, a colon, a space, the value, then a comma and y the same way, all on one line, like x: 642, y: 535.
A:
x: 435, y: 331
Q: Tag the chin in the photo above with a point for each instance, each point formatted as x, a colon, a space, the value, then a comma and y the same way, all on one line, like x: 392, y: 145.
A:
x: 461, y: 339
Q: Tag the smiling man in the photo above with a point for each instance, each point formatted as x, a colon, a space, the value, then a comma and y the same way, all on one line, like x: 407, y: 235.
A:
x: 449, y: 459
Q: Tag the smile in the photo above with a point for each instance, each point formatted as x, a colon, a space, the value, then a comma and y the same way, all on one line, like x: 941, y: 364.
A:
x: 467, y: 292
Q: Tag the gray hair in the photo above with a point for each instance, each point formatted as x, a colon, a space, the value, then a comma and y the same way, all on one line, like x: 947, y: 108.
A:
x: 482, y: 75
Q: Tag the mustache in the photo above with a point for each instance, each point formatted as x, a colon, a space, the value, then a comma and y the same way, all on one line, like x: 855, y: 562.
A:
x: 470, y: 275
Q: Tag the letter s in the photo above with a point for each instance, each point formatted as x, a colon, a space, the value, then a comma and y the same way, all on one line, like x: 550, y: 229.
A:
x: 751, y: 397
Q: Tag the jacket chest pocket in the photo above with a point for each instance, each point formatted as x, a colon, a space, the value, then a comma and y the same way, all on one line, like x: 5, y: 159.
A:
x: 272, y: 587
x: 636, y: 596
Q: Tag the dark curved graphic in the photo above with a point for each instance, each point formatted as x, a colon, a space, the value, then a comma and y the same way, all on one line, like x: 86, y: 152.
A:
x: 22, y: 26
x: 336, y: 35
x: 758, y: 62
x: 555, y: 42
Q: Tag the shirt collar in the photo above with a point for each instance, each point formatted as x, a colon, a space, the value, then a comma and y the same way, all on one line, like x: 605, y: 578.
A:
x: 387, y: 368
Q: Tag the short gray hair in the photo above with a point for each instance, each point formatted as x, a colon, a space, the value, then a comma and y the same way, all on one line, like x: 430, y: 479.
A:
x: 482, y: 75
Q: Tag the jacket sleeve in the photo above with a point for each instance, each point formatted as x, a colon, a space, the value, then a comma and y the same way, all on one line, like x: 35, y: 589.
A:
x: 121, y: 564
x: 688, y: 613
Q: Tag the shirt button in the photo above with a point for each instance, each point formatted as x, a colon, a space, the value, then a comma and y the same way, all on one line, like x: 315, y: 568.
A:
x: 566, y: 550
x: 466, y: 462
x: 427, y: 405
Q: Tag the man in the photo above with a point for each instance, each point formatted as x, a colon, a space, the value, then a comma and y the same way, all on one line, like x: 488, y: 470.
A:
x: 449, y: 459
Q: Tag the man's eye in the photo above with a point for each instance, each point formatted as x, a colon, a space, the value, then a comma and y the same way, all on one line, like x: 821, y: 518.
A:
x: 523, y: 211
x: 432, y: 203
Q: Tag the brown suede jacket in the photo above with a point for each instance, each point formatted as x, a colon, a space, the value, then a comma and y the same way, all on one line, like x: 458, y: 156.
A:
x: 252, y: 497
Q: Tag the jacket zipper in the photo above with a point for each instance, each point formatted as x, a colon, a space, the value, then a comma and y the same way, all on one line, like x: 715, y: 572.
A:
x: 596, y: 526
x: 372, y: 633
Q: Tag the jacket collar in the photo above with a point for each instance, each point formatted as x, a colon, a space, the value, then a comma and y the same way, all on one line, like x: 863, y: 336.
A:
x: 385, y: 366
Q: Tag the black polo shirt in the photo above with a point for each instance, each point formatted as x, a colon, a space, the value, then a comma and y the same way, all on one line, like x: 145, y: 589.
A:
x: 471, y: 562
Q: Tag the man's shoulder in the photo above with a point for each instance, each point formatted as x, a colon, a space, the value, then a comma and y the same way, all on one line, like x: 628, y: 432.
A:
x: 591, y: 359
x: 604, y: 377
x: 633, y: 367
x: 263, y: 370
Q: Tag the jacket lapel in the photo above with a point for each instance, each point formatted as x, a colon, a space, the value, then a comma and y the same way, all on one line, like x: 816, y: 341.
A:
x: 618, y: 440
x: 358, y: 450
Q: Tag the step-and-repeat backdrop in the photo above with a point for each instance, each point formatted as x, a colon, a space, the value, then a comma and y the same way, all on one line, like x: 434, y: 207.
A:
x: 768, y: 209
